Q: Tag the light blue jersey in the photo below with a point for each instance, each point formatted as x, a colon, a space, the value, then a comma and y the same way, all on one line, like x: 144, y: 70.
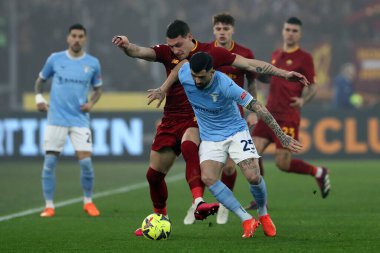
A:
x: 72, y: 78
x: 215, y: 107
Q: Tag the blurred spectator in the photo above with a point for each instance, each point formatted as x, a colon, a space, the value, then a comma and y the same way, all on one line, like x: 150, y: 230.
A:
x: 343, y: 88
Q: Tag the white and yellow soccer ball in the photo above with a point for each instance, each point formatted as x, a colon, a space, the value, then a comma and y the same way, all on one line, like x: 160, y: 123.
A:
x: 156, y: 227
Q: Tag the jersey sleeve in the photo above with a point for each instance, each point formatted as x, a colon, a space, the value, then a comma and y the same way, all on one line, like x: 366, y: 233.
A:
x: 48, y: 69
x: 309, y: 71
x: 233, y: 91
x: 97, y: 80
x: 184, y: 73
x: 222, y: 57
x: 162, y: 53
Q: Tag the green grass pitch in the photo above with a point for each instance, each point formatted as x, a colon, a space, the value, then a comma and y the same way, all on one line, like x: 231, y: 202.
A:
x: 347, y: 221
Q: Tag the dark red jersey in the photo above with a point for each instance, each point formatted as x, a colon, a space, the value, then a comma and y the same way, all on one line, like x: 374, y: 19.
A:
x: 281, y: 91
x: 234, y: 73
x: 177, y: 104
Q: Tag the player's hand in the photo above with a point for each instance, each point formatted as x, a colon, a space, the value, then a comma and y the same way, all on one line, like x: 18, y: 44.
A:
x: 42, y: 107
x: 86, y: 107
x: 297, y: 77
x: 156, y: 94
x: 121, y: 41
x: 297, y: 102
x: 291, y: 144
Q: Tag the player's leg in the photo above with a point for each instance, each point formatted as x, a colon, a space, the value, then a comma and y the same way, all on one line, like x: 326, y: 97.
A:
x: 54, y: 141
x: 82, y: 142
x: 189, y: 148
x: 243, y: 152
x: 229, y: 174
x: 285, y: 163
x: 159, y: 165
x: 261, y: 144
x: 212, y: 156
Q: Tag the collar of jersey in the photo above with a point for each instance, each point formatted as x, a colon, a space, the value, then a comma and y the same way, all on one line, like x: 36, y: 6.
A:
x: 230, y: 49
x: 196, y: 45
x: 291, y: 51
x: 75, y: 58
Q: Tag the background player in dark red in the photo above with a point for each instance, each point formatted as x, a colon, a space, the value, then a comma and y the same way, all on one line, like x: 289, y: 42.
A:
x: 178, y: 131
x: 285, y: 101
x: 223, y: 29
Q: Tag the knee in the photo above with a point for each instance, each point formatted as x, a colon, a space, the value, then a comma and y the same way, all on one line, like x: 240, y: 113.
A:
x: 254, y: 178
x: 282, y: 164
x: 208, y: 180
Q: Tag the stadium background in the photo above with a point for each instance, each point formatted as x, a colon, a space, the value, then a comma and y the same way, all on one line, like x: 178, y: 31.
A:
x: 346, y: 141
x: 336, y: 32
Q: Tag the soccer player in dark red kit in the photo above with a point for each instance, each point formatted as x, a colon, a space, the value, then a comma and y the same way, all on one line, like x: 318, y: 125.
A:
x: 178, y: 132
x: 285, y: 101
x: 223, y: 29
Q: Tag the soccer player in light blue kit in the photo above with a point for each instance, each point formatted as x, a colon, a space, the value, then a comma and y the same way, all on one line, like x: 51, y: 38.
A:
x: 73, y: 72
x: 214, y: 98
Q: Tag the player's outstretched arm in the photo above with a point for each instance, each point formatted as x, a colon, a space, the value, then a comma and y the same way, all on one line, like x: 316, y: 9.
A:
x: 262, y: 67
x: 41, y: 103
x: 132, y: 50
x: 286, y: 141
x: 160, y: 93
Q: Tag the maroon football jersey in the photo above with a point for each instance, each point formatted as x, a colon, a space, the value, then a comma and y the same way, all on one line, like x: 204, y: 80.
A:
x: 234, y: 73
x: 177, y: 104
x: 281, y: 91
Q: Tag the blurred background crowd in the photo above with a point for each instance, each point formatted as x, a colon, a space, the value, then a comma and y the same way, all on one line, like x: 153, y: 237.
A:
x: 342, y: 35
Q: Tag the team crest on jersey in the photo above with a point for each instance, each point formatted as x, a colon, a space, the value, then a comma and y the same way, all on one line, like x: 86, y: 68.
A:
x: 289, y: 62
x: 86, y: 69
x: 273, y: 61
x: 175, y: 61
x: 214, y: 97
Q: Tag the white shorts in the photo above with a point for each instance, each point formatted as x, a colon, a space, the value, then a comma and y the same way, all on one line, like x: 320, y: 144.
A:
x: 55, y: 138
x: 239, y: 147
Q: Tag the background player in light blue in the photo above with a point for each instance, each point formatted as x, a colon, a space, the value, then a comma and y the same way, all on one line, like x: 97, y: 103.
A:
x: 214, y: 98
x: 73, y: 73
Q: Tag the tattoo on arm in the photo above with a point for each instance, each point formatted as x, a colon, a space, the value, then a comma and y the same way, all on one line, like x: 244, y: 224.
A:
x: 267, y: 69
x: 267, y: 117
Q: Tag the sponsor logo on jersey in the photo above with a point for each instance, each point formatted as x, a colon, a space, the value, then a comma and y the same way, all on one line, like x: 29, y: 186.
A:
x: 289, y: 62
x: 243, y: 95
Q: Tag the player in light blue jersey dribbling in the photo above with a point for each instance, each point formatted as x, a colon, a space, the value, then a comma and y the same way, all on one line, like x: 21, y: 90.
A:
x: 214, y: 98
x: 73, y: 73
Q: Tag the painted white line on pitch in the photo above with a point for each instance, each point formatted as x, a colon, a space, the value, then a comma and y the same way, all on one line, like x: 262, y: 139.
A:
x: 96, y: 195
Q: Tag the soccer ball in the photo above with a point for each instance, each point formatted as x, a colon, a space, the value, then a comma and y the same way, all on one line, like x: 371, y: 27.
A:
x: 156, y: 227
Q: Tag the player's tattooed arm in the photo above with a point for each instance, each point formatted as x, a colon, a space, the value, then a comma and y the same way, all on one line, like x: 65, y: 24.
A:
x: 286, y: 141
x: 267, y: 117
x: 266, y: 68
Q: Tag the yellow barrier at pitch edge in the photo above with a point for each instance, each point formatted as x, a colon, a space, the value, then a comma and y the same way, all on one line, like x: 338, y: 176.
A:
x: 110, y: 102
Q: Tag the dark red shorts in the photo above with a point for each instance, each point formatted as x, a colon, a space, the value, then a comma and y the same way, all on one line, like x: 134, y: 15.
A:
x: 290, y: 128
x: 169, y: 133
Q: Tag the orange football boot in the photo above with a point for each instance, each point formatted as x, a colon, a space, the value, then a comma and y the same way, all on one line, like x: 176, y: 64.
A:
x: 47, y: 212
x: 249, y: 227
x: 91, y: 209
x: 268, y: 226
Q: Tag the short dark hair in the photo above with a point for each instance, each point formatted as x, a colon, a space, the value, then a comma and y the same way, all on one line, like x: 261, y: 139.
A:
x: 223, y: 18
x: 294, y: 21
x: 201, y: 61
x: 77, y: 27
x: 177, y: 28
